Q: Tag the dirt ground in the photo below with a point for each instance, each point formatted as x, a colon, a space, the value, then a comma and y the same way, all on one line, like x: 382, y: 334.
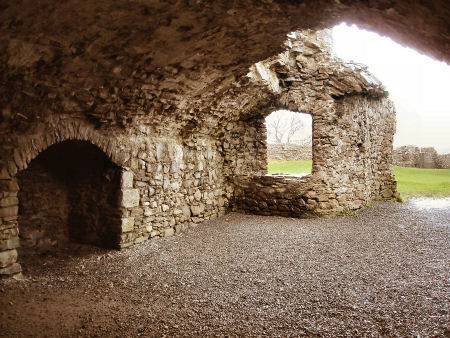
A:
x: 382, y: 272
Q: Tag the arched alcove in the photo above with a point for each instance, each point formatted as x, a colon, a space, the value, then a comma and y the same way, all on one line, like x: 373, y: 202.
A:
x: 69, y: 193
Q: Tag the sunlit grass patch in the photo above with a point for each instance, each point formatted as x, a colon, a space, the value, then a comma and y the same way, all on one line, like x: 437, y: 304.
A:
x: 410, y: 181
x: 423, y: 182
x: 290, y: 167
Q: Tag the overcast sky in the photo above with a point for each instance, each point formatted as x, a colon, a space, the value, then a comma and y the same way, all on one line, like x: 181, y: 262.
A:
x: 418, y: 84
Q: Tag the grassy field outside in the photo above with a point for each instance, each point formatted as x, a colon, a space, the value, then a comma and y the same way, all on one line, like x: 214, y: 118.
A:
x: 290, y: 167
x: 410, y: 181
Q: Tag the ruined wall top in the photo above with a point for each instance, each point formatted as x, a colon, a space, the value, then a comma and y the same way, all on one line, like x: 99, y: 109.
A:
x: 309, y: 65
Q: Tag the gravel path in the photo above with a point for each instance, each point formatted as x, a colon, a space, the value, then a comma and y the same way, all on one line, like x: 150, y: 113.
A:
x: 382, y: 272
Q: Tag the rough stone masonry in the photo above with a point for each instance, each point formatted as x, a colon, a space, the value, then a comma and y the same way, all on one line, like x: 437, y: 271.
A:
x: 171, y: 180
x: 174, y: 94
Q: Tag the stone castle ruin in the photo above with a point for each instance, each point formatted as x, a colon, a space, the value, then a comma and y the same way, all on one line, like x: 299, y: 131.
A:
x: 121, y: 122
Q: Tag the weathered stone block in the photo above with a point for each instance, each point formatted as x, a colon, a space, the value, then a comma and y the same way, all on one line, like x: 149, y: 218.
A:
x: 4, y: 174
x: 178, y: 228
x: 127, y: 179
x: 8, y: 257
x: 9, y: 201
x: 127, y: 224
x: 11, y: 243
x: 154, y: 233
x: 168, y: 232
x: 130, y: 198
x: 140, y: 239
x: 177, y: 211
x: 198, y: 195
x: 197, y: 209
x: 186, y: 211
x: 9, y: 211
x: 11, y: 270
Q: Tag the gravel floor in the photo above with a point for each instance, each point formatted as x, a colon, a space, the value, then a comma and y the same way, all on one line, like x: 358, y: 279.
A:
x: 382, y: 272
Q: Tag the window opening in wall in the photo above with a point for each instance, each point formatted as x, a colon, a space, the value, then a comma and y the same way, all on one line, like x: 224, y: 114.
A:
x: 289, y: 143
x: 68, y: 194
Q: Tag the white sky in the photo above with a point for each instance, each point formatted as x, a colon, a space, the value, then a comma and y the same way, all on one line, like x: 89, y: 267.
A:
x: 418, y: 84
x: 284, y: 120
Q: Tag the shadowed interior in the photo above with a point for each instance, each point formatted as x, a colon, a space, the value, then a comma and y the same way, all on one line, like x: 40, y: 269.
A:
x: 69, y: 193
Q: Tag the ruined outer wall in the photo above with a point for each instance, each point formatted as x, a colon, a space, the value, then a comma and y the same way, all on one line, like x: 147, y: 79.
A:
x: 353, y: 126
x: 352, y: 149
x: 444, y: 161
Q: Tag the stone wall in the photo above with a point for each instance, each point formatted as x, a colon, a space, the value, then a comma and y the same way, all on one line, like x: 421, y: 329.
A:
x: 347, y: 172
x: 44, y: 205
x: 167, y: 184
x: 288, y: 152
x: 412, y: 156
x: 353, y: 127
x: 444, y: 161
x: 186, y: 163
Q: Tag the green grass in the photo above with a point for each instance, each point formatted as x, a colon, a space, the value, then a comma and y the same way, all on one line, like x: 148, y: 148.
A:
x: 410, y: 181
x: 289, y: 167
x: 422, y: 182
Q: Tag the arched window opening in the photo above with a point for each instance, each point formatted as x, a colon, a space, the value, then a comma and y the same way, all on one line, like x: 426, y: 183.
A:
x: 289, y: 143
x: 69, y: 193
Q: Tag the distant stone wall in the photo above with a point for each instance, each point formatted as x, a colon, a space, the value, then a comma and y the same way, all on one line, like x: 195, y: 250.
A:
x: 411, y: 156
x: 288, y: 152
x: 444, y: 161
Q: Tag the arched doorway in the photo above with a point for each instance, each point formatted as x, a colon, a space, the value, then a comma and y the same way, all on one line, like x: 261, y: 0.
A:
x: 69, y: 193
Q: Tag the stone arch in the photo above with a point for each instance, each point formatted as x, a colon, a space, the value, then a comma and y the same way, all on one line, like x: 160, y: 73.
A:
x: 32, y: 145
x: 69, y: 192
x: 28, y: 147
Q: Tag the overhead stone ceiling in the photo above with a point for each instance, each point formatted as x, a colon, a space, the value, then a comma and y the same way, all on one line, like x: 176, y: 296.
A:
x: 118, y: 61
